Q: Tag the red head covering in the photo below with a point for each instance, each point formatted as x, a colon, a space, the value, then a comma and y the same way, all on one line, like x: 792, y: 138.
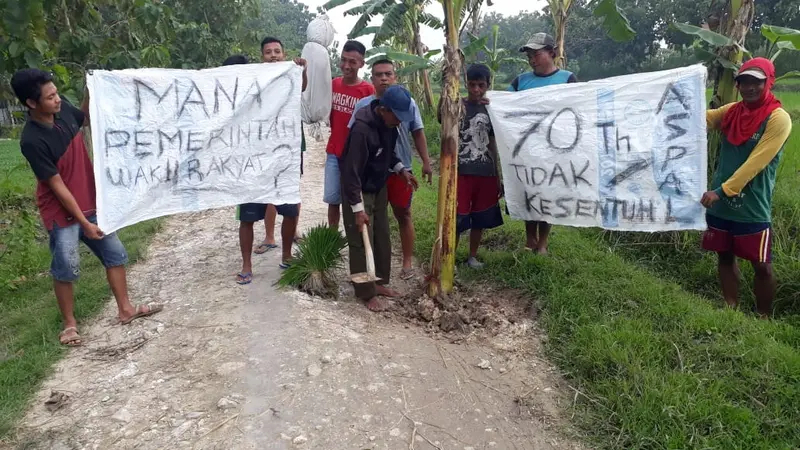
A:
x: 742, y: 120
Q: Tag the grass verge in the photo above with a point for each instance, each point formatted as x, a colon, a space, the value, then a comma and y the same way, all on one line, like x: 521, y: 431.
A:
x: 30, y: 322
x: 656, y: 366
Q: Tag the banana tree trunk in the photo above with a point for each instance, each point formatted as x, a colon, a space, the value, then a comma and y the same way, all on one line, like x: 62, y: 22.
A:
x: 426, y: 81
x: 559, y: 9
x: 561, y: 31
x: 735, y: 22
x: 443, y: 253
x: 736, y: 19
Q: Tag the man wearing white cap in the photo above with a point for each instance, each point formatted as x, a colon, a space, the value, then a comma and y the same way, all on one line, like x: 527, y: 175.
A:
x: 541, y: 56
x: 739, y: 203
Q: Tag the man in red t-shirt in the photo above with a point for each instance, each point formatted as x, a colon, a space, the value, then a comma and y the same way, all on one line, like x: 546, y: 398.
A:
x: 52, y: 142
x: 347, y: 91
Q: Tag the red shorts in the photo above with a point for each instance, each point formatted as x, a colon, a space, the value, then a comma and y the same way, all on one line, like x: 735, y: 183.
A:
x: 750, y: 241
x: 400, y: 192
x: 478, y: 205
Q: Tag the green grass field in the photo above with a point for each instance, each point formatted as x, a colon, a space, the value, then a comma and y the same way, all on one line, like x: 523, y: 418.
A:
x: 641, y: 332
x: 30, y: 322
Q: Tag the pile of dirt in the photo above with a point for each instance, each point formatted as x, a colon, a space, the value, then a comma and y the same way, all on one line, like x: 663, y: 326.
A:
x: 476, y: 308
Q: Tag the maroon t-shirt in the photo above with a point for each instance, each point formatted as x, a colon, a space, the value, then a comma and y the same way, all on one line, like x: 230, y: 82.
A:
x: 59, y: 150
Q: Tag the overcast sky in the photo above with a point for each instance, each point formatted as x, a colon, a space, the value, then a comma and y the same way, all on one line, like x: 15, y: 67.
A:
x: 434, y: 39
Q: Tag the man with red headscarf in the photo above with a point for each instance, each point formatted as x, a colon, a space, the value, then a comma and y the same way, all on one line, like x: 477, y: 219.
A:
x: 739, y: 205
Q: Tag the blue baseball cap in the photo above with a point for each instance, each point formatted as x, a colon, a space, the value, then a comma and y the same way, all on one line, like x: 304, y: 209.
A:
x: 398, y: 99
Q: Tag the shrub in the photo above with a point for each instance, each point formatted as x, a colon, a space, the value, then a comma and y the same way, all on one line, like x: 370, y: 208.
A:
x: 317, y: 256
x: 10, y: 131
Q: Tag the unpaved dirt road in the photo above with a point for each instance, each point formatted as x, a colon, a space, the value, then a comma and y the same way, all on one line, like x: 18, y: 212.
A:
x: 253, y: 367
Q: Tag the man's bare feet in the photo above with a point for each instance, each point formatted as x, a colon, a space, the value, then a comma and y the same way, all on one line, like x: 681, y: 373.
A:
x: 385, y: 291
x: 376, y: 304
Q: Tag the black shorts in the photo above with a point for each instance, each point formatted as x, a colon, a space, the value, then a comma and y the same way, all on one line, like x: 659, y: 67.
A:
x: 253, y: 212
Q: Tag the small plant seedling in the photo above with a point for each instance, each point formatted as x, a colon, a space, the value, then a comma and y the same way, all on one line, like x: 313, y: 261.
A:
x: 318, y: 256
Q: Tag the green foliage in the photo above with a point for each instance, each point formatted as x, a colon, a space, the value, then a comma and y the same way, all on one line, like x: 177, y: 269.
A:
x: 407, y: 64
x: 318, y: 255
x: 793, y: 75
x: 10, y: 132
x: 286, y: 20
x: 614, y: 20
x: 479, y: 51
x: 514, y: 32
x: 399, y: 29
x: 70, y: 37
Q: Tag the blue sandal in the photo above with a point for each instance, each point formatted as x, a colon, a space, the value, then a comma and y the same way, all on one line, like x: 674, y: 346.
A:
x: 264, y: 247
x: 284, y: 265
x: 244, y: 278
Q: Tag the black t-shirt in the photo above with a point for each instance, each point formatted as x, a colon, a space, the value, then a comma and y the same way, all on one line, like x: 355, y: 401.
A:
x: 43, y: 146
x: 58, y: 149
x: 474, y: 156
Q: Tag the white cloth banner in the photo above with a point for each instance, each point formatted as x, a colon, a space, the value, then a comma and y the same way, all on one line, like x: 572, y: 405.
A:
x: 624, y: 153
x: 171, y: 141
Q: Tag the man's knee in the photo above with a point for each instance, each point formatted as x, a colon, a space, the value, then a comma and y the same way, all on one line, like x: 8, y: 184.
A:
x: 763, y: 270
x: 65, y: 267
x: 726, y: 258
x: 403, y: 215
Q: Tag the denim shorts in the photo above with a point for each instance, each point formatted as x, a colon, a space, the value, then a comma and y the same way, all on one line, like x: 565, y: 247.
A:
x: 64, y: 249
x: 333, y: 182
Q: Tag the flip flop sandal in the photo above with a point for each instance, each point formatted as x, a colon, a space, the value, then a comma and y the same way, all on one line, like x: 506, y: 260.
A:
x: 152, y: 308
x: 284, y: 265
x: 406, y: 274
x: 264, y: 248
x: 73, y: 341
x: 244, y: 278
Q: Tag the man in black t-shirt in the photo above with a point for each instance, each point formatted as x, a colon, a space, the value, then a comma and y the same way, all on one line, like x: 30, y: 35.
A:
x: 52, y: 142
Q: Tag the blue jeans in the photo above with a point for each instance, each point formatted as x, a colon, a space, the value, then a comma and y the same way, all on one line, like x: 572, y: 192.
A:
x: 333, y: 182
x: 64, y: 249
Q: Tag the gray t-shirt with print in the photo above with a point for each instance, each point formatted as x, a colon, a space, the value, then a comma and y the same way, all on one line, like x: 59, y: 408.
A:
x: 474, y: 156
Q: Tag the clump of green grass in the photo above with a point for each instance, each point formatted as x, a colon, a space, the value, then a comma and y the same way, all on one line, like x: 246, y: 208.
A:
x: 318, y: 255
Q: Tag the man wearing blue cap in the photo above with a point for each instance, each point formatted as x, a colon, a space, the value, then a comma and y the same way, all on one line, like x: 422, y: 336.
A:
x: 364, y: 166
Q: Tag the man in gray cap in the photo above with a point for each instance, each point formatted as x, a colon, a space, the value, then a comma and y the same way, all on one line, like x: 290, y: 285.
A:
x: 541, y: 56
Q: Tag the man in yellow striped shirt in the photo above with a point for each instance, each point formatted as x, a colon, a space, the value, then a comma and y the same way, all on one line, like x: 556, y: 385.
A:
x: 740, y: 200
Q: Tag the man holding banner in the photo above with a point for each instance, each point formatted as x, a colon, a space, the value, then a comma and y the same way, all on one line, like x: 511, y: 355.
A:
x: 271, y: 52
x: 540, y: 50
x: 249, y: 213
x: 52, y: 142
x: 740, y: 203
